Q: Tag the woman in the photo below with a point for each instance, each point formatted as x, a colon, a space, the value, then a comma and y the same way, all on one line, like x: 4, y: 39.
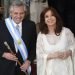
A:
x: 55, y: 45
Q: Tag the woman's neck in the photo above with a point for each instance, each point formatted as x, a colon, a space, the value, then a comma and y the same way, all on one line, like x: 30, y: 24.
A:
x: 51, y: 30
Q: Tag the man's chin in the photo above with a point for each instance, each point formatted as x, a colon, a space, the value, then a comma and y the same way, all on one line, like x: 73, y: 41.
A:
x: 17, y: 22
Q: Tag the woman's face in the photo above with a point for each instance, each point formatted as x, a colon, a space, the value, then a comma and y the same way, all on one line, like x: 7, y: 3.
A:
x: 50, y: 20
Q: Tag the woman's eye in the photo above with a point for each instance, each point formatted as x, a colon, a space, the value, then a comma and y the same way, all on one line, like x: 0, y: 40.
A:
x: 46, y: 16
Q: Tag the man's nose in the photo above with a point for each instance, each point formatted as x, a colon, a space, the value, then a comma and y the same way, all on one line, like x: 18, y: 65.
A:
x: 18, y: 15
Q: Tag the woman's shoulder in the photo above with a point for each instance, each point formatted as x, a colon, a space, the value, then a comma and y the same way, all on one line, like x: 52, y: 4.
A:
x: 40, y: 35
x: 67, y: 31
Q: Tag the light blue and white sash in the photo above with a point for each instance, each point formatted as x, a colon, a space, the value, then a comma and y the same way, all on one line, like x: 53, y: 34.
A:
x: 17, y: 38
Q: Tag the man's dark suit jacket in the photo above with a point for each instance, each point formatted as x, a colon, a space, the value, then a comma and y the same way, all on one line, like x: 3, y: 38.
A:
x: 7, y: 67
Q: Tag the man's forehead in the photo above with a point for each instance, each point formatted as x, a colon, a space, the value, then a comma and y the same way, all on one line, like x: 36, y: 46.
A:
x: 19, y: 9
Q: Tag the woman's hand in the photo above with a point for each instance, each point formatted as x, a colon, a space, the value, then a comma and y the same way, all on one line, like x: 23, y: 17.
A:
x: 67, y: 54
x: 60, y: 55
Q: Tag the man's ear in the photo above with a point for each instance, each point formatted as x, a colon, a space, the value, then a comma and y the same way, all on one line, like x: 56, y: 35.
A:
x: 10, y: 13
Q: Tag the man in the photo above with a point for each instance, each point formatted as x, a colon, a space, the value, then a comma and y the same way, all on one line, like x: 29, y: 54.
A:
x: 22, y: 42
x: 1, y: 12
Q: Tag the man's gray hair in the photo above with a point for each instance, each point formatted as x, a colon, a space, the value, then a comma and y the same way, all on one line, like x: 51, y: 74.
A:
x: 17, y: 3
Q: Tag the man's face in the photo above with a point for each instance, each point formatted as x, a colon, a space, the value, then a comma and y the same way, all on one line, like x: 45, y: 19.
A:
x: 17, y: 14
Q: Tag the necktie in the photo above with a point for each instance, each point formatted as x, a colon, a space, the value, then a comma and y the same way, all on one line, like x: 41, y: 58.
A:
x: 17, y: 27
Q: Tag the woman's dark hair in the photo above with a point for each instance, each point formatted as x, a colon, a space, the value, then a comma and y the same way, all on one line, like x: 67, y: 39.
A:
x: 43, y: 27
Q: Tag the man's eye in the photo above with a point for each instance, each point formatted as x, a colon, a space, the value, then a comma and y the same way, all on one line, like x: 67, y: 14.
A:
x: 15, y: 13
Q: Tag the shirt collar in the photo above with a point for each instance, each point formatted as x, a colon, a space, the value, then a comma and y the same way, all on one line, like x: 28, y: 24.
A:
x: 17, y: 24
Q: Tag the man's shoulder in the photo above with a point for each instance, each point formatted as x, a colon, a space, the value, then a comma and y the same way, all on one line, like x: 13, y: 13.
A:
x: 29, y: 25
x: 28, y: 21
x: 2, y: 26
x: 2, y: 23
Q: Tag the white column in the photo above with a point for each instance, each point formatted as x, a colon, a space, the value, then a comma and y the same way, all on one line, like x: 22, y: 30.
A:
x: 36, y: 7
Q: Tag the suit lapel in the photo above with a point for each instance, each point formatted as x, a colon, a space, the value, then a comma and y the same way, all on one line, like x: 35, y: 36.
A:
x: 10, y: 40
